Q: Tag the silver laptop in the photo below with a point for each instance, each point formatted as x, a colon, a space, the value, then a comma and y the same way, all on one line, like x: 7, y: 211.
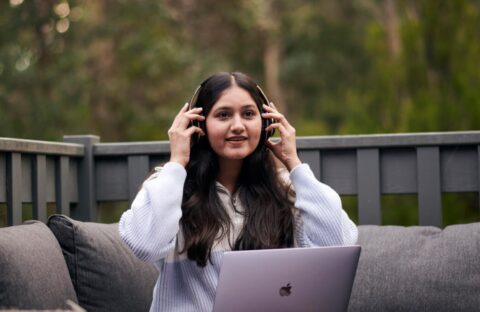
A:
x: 291, y: 279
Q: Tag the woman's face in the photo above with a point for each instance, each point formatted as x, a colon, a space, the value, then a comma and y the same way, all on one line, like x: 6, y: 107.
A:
x: 234, y: 125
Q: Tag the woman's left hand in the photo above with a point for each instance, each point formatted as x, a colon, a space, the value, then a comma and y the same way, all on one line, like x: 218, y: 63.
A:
x: 286, y: 148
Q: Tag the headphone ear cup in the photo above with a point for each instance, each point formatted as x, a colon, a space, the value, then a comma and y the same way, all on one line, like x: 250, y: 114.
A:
x: 192, y: 104
x: 201, y: 124
x: 265, y: 124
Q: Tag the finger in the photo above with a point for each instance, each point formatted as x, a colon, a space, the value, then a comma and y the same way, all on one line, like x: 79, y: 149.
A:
x: 190, y: 131
x: 273, y: 105
x: 278, y: 117
x: 274, y: 115
x: 184, y: 120
x: 193, y: 114
x: 271, y: 144
x: 188, y: 119
x: 284, y: 133
x: 195, y: 110
x: 196, y: 117
x: 269, y: 108
x: 270, y: 105
x: 182, y: 110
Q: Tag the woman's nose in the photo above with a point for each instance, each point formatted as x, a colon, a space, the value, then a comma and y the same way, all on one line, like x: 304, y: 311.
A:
x: 237, y: 124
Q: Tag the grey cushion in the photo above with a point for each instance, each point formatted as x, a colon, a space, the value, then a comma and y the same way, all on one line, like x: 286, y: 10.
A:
x: 105, y: 274
x: 33, y: 274
x: 418, y: 269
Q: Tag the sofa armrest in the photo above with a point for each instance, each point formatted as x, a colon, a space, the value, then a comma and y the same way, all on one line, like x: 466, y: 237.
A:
x: 33, y: 273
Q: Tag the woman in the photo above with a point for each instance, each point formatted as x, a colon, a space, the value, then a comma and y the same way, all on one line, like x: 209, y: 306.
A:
x: 224, y: 188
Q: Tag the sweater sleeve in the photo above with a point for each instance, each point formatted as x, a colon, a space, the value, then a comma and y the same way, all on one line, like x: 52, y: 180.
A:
x: 321, y: 219
x: 151, y: 224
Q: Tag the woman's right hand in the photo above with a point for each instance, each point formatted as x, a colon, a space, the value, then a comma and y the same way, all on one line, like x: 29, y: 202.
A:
x: 180, y: 134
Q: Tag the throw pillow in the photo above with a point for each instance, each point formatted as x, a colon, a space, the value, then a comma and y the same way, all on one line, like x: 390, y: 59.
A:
x: 105, y: 273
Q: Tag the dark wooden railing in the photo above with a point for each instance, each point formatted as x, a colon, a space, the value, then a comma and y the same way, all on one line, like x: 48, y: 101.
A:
x: 38, y: 172
x: 82, y: 172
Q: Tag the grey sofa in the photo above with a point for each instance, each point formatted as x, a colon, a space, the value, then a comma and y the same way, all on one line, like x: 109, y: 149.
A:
x: 400, y: 269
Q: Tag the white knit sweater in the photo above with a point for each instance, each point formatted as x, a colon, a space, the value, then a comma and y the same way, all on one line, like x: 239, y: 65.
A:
x: 151, y: 229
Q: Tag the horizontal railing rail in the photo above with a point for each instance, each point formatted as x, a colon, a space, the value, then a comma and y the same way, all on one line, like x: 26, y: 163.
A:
x: 390, y: 140
x: 367, y: 166
x: 40, y: 147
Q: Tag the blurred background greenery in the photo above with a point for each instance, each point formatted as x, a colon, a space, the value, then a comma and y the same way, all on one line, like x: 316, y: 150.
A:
x: 122, y: 69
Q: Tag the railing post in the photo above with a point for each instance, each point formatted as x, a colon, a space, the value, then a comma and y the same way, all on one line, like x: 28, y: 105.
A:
x: 39, y: 187
x: 62, y: 178
x: 368, y: 183
x: 478, y: 175
x: 86, y: 209
x: 14, y: 188
x: 137, y: 173
x: 429, y: 186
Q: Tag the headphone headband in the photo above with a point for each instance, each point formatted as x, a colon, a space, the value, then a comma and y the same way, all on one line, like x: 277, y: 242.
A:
x: 263, y: 95
x: 193, y: 100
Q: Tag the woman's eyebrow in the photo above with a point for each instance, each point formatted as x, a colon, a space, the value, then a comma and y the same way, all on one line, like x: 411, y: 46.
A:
x: 222, y: 108
x: 229, y: 108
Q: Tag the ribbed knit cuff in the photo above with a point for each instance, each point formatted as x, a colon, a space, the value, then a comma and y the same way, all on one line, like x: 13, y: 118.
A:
x: 175, y: 168
x: 299, y: 171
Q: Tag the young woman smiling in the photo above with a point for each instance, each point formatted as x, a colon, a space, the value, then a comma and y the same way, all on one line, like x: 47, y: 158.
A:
x: 223, y: 189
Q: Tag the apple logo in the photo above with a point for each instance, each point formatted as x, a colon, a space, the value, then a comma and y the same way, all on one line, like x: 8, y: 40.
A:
x: 285, y: 290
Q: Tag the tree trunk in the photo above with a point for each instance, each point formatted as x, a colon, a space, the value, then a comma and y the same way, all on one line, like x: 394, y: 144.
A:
x: 271, y: 60
x: 393, y: 36
x: 268, y: 24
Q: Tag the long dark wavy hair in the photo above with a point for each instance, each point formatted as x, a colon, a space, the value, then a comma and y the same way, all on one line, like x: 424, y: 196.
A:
x: 268, y: 211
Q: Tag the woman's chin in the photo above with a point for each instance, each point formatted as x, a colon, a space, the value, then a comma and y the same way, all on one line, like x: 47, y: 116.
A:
x: 238, y: 155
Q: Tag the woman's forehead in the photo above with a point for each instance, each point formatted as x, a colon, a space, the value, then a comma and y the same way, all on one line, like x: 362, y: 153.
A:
x: 235, y: 96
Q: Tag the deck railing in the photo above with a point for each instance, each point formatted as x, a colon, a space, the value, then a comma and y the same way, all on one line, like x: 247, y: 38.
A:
x: 38, y: 172
x: 81, y: 172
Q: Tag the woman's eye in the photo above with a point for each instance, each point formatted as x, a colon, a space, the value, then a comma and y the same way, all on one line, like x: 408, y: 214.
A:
x: 222, y: 115
x: 249, y: 114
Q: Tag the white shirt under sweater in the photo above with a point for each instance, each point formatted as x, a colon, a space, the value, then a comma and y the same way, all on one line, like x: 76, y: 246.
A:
x: 151, y: 229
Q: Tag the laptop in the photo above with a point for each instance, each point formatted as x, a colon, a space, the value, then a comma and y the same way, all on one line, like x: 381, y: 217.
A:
x: 290, y: 279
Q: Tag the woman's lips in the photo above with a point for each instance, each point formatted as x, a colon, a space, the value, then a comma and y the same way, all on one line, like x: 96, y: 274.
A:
x: 237, y: 140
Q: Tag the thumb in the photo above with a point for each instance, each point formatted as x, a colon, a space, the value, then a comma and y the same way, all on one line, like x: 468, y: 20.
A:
x: 272, y: 145
x: 269, y: 144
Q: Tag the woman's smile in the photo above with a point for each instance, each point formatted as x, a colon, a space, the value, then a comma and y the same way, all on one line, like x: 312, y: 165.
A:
x: 237, y: 140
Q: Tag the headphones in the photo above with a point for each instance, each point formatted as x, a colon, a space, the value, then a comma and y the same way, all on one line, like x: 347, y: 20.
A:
x: 201, y: 124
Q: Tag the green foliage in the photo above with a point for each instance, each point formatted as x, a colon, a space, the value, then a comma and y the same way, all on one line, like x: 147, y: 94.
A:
x: 122, y: 69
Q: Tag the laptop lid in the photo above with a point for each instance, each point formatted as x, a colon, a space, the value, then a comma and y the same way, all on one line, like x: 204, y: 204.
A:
x: 290, y: 279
